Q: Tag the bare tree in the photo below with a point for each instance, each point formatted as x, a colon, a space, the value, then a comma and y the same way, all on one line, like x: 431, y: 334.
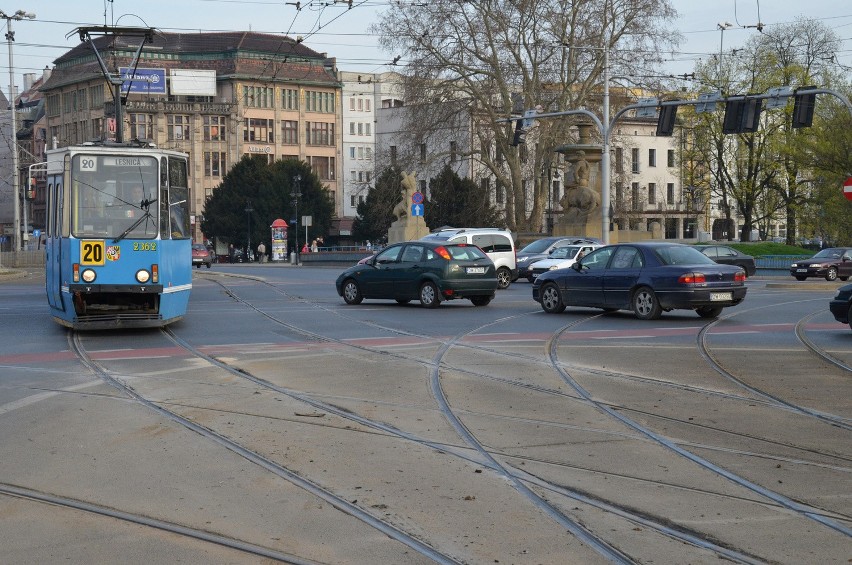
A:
x: 476, y: 61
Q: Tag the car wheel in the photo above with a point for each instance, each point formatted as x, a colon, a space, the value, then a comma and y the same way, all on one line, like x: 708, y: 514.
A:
x: 351, y: 292
x: 198, y: 266
x: 844, y: 279
x: 800, y: 278
x: 531, y: 279
x: 831, y: 274
x: 551, y: 299
x: 849, y: 317
x: 480, y: 300
x: 504, y: 278
x: 402, y: 301
x: 209, y: 265
x: 709, y: 311
x: 645, y: 304
x: 429, y: 296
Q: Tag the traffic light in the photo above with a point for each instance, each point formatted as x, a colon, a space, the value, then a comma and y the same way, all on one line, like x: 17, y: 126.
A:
x: 520, y: 133
x: 666, y: 121
x: 803, y: 108
x: 742, y: 115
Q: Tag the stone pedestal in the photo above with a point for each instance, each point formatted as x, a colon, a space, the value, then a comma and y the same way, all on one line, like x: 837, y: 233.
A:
x: 407, y: 228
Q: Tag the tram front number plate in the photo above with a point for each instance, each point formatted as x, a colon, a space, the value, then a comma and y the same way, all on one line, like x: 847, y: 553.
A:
x: 91, y: 252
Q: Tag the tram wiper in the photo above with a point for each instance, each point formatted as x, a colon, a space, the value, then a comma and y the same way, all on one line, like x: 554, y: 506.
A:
x: 145, y: 206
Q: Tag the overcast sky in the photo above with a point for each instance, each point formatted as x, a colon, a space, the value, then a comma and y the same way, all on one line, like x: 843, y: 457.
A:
x: 342, y: 32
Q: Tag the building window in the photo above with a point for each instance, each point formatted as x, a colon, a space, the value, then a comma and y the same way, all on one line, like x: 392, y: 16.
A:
x: 671, y: 158
x: 366, y: 104
x: 634, y: 196
x: 360, y: 153
x: 351, y: 128
x: 177, y: 127
x: 316, y: 101
x: 214, y: 163
x: 652, y: 193
x: 259, y: 129
x: 352, y: 200
x: 352, y: 152
x: 54, y: 107
x: 369, y: 153
x: 353, y: 176
x: 360, y: 128
x: 619, y: 196
x: 422, y: 152
x: 319, y: 133
x: 500, y: 195
x: 360, y: 104
x: 289, y: 99
x: 367, y: 128
x: 670, y: 193
x: 652, y: 157
x: 634, y: 160
x: 393, y: 154
x: 96, y: 96
x: 619, y: 160
x: 352, y: 108
x: 258, y: 96
x: 323, y: 167
x: 290, y: 132
x: 214, y: 128
x: 141, y: 126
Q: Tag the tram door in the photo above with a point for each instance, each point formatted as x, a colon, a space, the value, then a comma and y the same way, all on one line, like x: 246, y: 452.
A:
x: 53, y: 265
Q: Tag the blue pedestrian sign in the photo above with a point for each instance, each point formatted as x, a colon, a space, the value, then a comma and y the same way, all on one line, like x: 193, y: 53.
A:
x: 417, y: 209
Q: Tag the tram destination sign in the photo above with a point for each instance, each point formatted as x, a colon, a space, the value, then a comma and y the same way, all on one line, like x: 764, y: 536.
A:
x: 128, y: 161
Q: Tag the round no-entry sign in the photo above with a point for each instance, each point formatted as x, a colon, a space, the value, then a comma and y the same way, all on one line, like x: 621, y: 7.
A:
x: 847, y: 188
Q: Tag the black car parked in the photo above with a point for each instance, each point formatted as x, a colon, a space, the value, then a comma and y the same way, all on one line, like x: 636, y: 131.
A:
x: 832, y: 264
x: 541, y: 248
x: 729, y: 256
x: 841, y: 305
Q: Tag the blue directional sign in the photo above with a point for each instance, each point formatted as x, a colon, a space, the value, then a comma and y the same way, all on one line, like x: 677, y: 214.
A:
x: 144, y: 81
x: 417, y: 209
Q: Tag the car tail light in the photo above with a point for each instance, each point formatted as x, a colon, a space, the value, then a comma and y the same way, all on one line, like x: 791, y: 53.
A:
x: 76, y: 270
x: 740, y: 276
x: 448, y: 292
x: 442, y: 251
x: 155, y: 273
x: 691, y: 278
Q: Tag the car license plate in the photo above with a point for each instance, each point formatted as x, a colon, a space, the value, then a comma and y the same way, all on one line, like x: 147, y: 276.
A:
x: 801, y: 270
x: 476, y: 270
x: 718, y: 296
x: 535, y: 275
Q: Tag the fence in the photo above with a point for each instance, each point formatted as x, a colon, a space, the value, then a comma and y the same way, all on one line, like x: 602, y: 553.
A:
x: 777, y: 262
x: 21, y: 259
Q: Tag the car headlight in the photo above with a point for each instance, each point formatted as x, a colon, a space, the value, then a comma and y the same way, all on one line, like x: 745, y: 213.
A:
x: 143, y: 276
x: 88, y: 275
x: 794, y: 265
x: 522, y: 258
x: 553, y: 267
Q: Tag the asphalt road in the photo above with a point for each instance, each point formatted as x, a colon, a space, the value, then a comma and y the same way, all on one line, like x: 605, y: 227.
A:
x: 275, y: 423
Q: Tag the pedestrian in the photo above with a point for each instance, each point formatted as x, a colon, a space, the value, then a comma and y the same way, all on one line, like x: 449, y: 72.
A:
x: 231, y: 253
x: 369, y: 245
x: 261, y: 252
x: 314, y: 247
x: 305, y: 248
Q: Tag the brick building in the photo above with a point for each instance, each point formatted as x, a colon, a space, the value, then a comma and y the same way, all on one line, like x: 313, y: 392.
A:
x: 215, y: 96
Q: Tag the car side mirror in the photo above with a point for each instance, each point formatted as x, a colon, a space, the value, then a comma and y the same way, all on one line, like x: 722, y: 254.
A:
x: 577, y: 266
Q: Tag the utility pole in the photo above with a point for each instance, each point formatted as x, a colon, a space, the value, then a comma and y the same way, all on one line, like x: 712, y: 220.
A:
x: 10, y: 38
x: 295, y: 195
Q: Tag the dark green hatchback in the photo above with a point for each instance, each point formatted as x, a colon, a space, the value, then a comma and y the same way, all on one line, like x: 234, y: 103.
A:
x: 421, y: 270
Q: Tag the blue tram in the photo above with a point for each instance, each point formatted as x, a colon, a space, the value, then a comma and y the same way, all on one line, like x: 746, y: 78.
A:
x: 118, y: 247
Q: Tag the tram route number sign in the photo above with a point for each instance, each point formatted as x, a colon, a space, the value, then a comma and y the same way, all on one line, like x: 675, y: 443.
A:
x: 91, y: 252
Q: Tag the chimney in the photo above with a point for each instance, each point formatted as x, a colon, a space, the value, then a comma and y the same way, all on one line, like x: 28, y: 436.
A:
x: 29, y: 79
x: 45, y: 74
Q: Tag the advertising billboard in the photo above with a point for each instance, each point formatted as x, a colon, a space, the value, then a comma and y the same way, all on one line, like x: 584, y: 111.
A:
x: 143, y: 81
x: 184, y: 82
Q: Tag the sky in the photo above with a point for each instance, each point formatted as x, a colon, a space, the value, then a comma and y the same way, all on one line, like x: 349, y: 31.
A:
x: 331, y: 27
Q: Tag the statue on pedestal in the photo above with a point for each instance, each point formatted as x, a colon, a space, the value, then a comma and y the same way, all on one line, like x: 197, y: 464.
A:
x: 407, y: 227
x: 579, y: 201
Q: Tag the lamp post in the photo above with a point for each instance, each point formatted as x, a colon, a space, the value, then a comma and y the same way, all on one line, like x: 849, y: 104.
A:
x: 248, y: 210
x: 10, y: 38
x: 295, y: 195
x: 722, y: 27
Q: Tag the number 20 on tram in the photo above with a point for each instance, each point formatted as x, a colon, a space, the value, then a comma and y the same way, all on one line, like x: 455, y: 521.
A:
x: 118, y: 247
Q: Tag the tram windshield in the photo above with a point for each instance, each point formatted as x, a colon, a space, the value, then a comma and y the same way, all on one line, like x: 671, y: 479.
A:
x: 114, y: 196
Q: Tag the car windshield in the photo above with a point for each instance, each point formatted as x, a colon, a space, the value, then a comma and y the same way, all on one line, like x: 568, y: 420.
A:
x: 682, y: 255
x: 829, y: 254
x: 564, y: 252
x: 199, y: 247
x: 539, y: 246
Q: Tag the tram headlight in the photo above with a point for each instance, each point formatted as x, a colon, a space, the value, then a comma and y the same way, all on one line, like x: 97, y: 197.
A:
x: 143, y: 276
x: 88, y: 275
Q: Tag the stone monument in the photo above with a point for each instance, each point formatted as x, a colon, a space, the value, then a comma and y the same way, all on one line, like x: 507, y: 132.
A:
x: 581, y: 202
x: 407, y: 227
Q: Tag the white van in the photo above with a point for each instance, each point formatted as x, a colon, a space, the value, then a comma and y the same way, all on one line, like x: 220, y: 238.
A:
x: 498, y: 244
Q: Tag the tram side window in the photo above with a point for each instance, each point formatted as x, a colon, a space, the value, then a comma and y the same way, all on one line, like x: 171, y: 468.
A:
x: 178, y: 199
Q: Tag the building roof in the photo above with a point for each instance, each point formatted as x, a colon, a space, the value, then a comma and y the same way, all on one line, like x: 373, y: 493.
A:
x: 233, y: 55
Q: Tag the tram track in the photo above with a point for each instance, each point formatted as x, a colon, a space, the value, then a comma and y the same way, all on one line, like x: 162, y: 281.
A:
x: 337, y: 502
x: 512, y: 474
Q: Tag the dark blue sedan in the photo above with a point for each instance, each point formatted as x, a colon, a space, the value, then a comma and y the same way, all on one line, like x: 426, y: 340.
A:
x: 645, y: 277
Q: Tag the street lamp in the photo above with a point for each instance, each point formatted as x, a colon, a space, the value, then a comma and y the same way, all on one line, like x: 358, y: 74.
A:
x: 10, y: 37
x: 295, y: 195
x: 248, y: 211
x: 722, y: 27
